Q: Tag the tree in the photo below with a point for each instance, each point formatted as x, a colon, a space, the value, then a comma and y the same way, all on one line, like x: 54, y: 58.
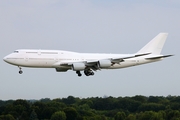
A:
x: 131, y: 117
x: 151, y: 107
x: 86, y: 101
x: 7, y: 117
x: 44, y: 100
x: 33, y: 116
x: 47, y: 112
x: 71, y: 113
x: 97, y: 117
x: 173, y: 114
x: 127, y: 104
x: 23, y: 103
x: 69, y: 100
x: 120, y: 116
x: 39, y: 108
x: 58, y: 105
x: 60, y: 115
x: 149, y: 115
x: 140, y: 98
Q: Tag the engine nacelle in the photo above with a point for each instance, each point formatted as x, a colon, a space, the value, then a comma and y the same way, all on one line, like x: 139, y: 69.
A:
x: 78, y: 66
x: 104, y: 63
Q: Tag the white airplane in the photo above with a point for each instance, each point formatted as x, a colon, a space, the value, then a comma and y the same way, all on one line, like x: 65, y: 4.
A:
x: 87, y: 62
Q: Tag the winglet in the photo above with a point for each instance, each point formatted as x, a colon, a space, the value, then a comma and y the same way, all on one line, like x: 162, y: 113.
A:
x: 155, y: 45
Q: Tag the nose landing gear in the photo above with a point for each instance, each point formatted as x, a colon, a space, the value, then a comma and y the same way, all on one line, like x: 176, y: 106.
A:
x: 20, y: 71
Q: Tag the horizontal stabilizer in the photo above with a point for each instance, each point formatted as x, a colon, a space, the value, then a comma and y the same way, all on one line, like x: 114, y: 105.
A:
x: 117, y: 60
x: 159, y: 57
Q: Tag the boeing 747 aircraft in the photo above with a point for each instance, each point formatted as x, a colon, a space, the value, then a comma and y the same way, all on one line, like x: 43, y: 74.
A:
x: 63, y: 61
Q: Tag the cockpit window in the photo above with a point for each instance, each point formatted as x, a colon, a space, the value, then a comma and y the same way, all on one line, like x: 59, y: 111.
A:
x: 16, y: 51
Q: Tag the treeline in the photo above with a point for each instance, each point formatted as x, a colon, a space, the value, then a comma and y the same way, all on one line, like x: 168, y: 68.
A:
x: 95, y: 108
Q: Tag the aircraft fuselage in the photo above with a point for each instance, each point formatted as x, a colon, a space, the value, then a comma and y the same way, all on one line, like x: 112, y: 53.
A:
x: 87, y: 62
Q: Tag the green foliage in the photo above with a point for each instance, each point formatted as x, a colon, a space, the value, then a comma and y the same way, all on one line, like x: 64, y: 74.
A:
x: 131, y: 117
x: 120, y: 116
x: 69, y: 100
x: 151, y: 106
x: 173, y: 114
x: 33, y: 116
x: 127, y: 104
x: 60, y: 115
x: 140, y: 98
x: 98, y: 108
x: 6, y: 117
x: 150, y: 115
x: 71, y: 113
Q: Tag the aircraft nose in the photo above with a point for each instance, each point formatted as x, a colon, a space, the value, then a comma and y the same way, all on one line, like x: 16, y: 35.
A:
x: 9, y: 59
x: 5, y: 59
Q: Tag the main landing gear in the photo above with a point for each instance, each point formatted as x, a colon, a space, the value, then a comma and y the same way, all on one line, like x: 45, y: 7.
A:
x: 79, y: 73
x: 87, y: 72
x: 20, y: 70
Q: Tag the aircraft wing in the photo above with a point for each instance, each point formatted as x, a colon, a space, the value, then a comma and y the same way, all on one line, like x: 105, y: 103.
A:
x: 119, y: 59
x: 93, y: 64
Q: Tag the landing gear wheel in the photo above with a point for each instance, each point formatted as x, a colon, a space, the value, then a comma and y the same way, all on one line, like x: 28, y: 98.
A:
x: 79, y: 73
x: 92, y: 73
x: 20, y: 72
x: 88, y: 72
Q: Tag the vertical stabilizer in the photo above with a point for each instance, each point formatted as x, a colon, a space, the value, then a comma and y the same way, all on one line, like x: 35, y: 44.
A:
x: 155, y: 45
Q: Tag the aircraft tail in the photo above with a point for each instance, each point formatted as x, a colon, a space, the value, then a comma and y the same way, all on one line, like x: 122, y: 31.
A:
x: 155, y: 45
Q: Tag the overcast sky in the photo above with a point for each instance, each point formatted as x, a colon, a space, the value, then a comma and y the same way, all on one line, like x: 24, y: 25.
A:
x: 97, y: 26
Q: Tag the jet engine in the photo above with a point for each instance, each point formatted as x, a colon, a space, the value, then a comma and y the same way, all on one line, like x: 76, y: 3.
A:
x: 104, y: 63
x: 78, y: 66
